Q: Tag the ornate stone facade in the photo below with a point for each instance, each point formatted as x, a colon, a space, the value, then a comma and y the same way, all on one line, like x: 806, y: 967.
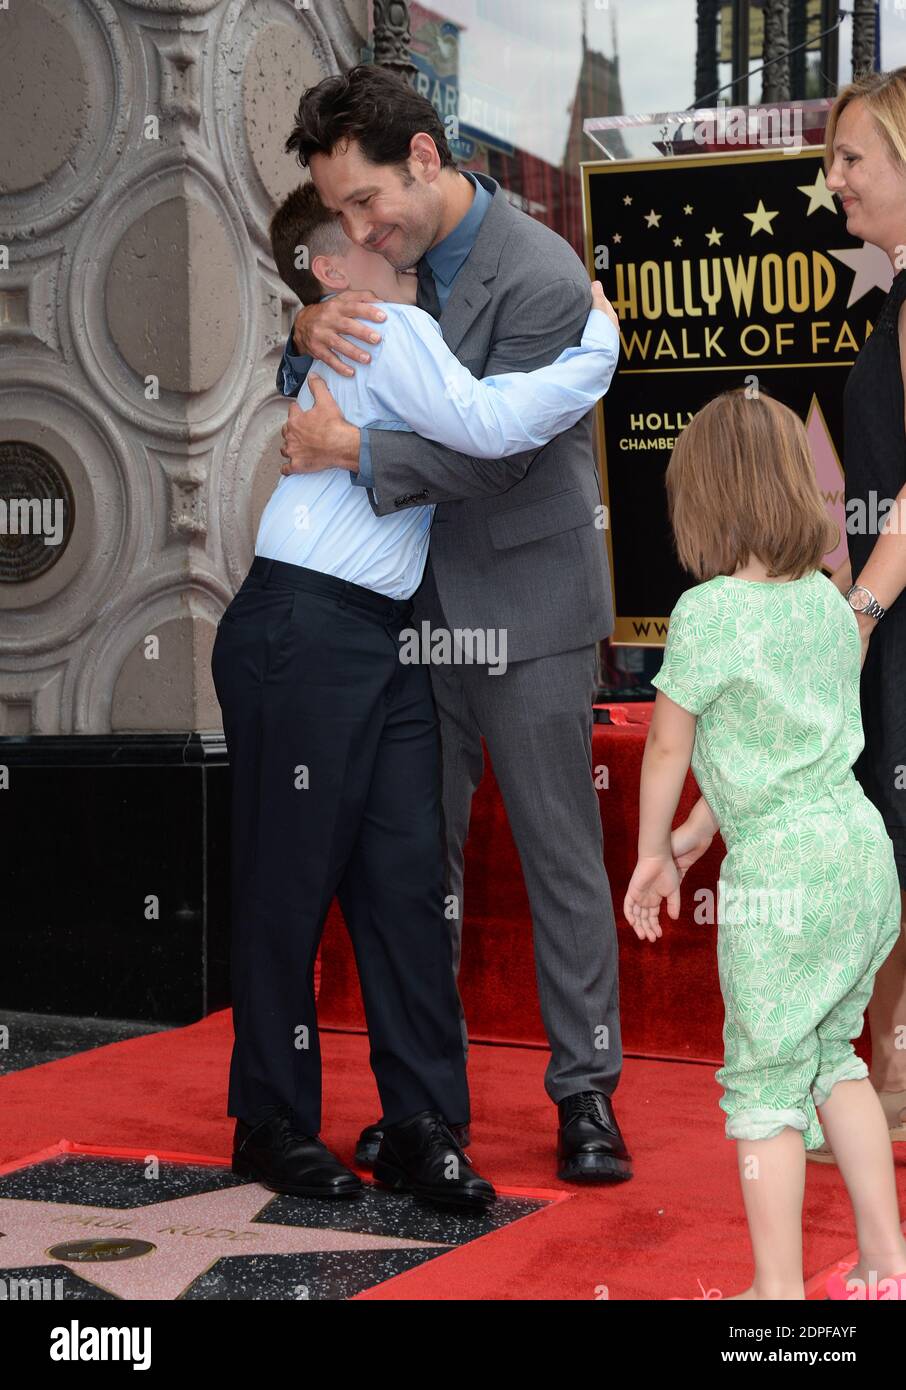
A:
x: 141, y: 322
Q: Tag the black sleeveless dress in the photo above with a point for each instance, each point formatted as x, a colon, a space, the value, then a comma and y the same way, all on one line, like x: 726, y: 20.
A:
x: 874, y: 460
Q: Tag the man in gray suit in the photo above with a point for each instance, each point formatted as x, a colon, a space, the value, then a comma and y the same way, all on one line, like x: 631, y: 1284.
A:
x: 516, y: 546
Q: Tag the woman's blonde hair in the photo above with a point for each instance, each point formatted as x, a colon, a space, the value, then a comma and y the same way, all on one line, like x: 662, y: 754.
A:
x: 884, y: 95
x: 741, y: 483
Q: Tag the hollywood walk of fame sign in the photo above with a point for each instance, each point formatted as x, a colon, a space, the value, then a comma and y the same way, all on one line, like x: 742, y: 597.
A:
x: 725, y: 269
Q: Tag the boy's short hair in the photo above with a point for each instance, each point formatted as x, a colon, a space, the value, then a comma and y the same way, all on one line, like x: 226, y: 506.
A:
x: 302, y: 228
x: 740, y: 483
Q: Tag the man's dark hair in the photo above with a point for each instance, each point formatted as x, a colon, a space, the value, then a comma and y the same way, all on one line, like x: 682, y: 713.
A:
x: 303, y: 224
x: 372, y: 106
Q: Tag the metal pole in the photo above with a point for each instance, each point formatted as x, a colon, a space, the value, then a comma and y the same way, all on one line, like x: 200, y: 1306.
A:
x: 706, y: 48
x: 740, y: 88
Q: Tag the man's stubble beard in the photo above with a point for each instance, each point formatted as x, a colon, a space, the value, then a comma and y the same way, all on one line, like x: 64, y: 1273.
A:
x: 412, y: 252
x: 417, y: 241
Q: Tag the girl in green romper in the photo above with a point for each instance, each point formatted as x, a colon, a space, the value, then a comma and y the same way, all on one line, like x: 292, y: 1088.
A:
x: 759, y: 689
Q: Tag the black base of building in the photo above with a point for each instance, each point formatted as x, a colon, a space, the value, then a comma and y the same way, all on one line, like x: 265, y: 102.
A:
x: 115, y: 852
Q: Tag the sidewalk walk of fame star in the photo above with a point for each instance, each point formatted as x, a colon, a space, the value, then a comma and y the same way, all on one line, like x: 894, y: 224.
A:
x: 130, y: 1228
x: 187, y: 1234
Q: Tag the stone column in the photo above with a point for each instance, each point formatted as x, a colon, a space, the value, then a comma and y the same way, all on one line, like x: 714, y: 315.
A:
x: 141, y: 321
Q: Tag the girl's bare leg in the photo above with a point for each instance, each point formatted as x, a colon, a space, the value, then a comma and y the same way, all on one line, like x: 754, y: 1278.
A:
x: 856, y: 1128
x: 772, y: 1175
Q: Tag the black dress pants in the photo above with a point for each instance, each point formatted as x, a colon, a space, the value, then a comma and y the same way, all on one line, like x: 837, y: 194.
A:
x: 335, y: 766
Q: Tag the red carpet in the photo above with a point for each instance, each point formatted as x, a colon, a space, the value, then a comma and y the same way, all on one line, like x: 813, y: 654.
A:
x: 677, y: 1225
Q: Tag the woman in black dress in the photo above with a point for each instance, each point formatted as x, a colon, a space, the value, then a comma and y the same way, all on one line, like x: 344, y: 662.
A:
x: 865, y: 160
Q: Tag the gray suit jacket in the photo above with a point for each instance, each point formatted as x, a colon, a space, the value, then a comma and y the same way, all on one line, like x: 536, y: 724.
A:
x: 514, y: 543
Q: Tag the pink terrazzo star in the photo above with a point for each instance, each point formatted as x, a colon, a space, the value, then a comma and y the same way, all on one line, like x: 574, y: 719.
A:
x: 189, y: 1234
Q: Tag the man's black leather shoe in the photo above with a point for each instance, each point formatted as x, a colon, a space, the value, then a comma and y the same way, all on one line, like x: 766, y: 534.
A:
x: 366, y: 1150
x: 272, y: 1152
x: 590, y: 1146
x: 422, y: 1156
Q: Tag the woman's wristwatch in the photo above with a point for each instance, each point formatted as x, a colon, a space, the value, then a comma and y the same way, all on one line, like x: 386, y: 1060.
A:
x: 862, y: 600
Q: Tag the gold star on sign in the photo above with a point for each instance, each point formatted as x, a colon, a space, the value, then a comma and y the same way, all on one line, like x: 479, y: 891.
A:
x: 677, y: 241
x: 628, y: 199
x: 714, y: 237
x: 616, y: 238
x: 761, y: 219
x: 819, y: 195
x: 653, y: 218
x: 688, y: 209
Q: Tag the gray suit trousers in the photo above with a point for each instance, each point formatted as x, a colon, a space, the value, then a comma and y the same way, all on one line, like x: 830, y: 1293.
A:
x: 536, y: 721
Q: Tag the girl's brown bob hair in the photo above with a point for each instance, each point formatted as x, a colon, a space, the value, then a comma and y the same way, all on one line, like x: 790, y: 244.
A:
x: 741, y: 484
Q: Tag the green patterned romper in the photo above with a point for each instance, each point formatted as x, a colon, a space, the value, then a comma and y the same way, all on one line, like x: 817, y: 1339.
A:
x: 808, y: 898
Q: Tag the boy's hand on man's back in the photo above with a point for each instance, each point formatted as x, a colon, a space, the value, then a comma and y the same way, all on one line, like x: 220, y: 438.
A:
x: 323, y: 330
x: 600, y: 301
